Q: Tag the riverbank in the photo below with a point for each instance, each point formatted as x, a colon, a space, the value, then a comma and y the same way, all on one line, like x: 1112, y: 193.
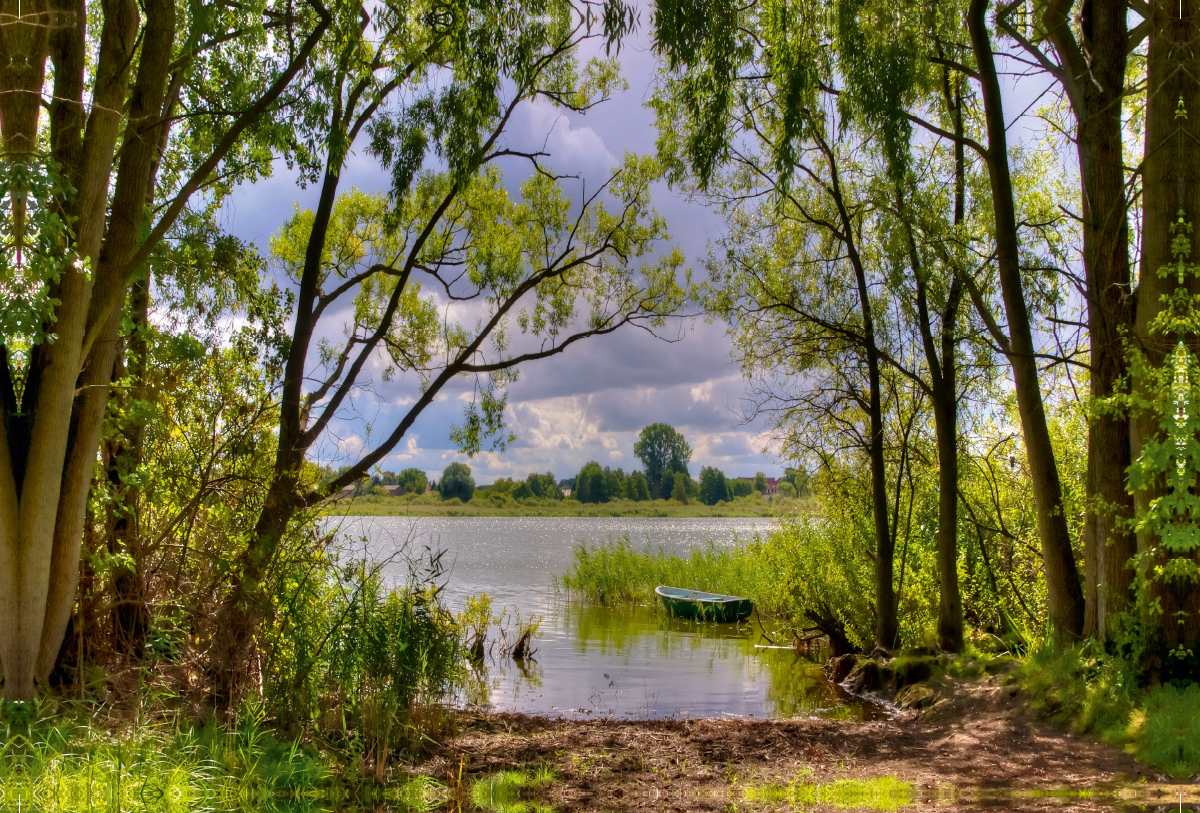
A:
x: 979, y: 745
x: 373, y: 506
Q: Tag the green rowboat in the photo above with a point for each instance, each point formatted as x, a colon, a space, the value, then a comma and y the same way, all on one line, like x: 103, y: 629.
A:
x: 704, y: 606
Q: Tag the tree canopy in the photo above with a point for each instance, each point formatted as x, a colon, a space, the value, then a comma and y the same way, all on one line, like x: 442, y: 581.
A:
x: 663, y: 452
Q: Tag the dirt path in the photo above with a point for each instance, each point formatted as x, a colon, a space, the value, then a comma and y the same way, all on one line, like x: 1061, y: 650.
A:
x: 965, y: 753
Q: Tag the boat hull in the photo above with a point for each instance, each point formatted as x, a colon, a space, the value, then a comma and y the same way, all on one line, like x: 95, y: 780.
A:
x: 697, y: 606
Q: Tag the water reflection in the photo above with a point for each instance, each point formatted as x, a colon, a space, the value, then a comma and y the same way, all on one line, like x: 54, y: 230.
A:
x: 639, y: 662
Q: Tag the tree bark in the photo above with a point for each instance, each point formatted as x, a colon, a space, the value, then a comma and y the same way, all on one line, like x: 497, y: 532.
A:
x: 1171, y: 191
x: 887, y: 625
x: 1062, y: 576
x: 1093, y: 74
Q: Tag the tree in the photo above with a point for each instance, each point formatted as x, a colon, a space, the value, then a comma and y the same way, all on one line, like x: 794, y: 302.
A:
x: 637, y: 489
x: 742, y: 487
x: 760, y: 482
x: 786, y: 489
x: 615, y: 483
x: 84, y: 221
x: 799, y: 480
x: 544, y: 486
x: 522, y: 491
x: 663, y: 452
x: 679, y: 488
x: 545, y: 271
x: 1067, y: 609
x: 414, y: 481
x: 782, y: 78
x: 713, y: 486
x: 590, y: 485
x: 457, y: 482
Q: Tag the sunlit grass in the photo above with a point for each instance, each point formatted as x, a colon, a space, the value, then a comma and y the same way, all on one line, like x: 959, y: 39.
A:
x: 502, y: 792
x: 881, y: 793
x: 54, y: 761
x: 1097, y: 694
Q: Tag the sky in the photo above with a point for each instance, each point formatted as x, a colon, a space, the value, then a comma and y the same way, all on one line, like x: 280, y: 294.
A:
x: 590, y: 402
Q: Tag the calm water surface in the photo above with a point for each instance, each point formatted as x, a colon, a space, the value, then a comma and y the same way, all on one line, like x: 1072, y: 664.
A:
x: 629, y: 662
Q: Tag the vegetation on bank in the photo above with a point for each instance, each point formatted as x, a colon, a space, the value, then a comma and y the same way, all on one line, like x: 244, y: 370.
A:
x: 66, y: 754
x: 789, y: 575
x: 504, y: 506
x: 1093, y: 692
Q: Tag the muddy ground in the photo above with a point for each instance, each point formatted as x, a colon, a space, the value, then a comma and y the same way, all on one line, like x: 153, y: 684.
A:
x: 978, y: 748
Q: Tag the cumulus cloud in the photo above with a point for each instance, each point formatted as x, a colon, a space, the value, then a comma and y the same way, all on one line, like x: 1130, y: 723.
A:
x: 568, y: 145
x: 590, y: 402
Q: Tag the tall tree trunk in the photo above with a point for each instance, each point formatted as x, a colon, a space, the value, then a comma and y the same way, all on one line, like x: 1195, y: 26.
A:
x: 244, y: 609
x: 1093, y: 73
x: 1171, y: 191
x: 887, y: 626
x: 130, y: 615
x: 945, y: 419
x: 1062, y: 576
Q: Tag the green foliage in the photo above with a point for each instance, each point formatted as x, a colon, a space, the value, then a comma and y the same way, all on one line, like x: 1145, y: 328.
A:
x: 713, y: 486
x: 1097, y: 693
x: 361, y: 665
x: 1169, y: 462
x: 33, y: 261
x: 799, y: 479
x: 544, y: 486
x: 64, y: 758
x: 595, y: 485
x: 590, y: 485
x: 679, y: 488
x: 637, y: 488
x: 760, y: 482
x: 413, y: 480
x: 457, y: 483
x: 663, y: 452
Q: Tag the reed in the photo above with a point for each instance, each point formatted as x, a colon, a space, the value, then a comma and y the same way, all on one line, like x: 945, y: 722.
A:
x: 616, y: 572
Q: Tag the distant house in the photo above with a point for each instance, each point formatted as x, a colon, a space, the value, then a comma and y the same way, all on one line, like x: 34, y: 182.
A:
x: 395, y: 491
x: 566, y: 492
x: 346, y: 492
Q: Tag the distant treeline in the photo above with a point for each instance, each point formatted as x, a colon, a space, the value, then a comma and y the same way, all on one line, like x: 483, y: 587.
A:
x: 664, y: 454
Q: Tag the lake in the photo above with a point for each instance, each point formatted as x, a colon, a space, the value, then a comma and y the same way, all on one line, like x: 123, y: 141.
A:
x: 631, y: 662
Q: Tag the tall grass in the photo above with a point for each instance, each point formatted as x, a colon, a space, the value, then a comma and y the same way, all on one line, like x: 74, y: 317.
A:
x: 616, y: 572
x: 1096, y: 693
x: 56, y: 759
x: 363, y: 667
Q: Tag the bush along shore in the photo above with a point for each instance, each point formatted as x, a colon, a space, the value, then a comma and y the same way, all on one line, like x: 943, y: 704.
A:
x: 792, y: 574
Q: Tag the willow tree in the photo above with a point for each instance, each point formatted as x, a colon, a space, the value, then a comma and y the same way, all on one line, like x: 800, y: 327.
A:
x: 447, y: 275
x: 887, y: 67
x: 95, y: 171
